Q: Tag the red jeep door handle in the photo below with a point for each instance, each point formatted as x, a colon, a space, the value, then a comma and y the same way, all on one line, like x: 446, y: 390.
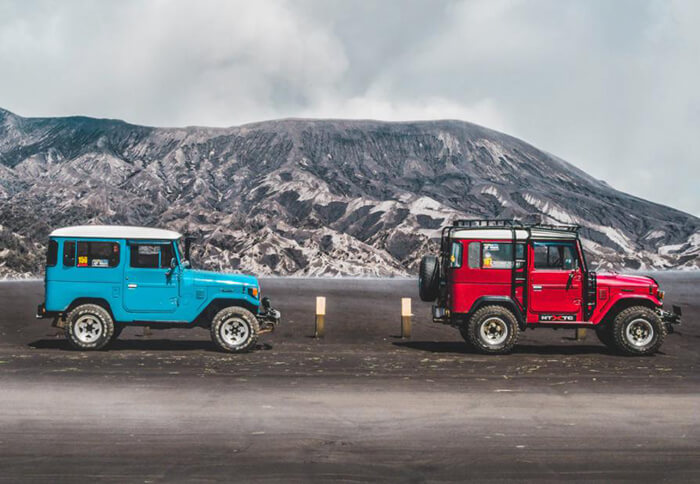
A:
x: 570, y: 280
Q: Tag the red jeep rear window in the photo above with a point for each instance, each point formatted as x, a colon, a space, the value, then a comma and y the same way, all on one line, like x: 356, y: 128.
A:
x: 499, y: 255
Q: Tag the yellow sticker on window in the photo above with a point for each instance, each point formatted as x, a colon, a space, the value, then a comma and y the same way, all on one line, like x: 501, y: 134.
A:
x: 488, y: 261
x: 82, y: 260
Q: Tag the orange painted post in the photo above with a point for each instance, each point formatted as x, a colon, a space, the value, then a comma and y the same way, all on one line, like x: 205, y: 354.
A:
x: 320, y: 317
x: 406, y: 317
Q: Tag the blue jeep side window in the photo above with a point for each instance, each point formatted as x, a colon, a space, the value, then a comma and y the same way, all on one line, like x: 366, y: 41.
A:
x: 151, y: 256
x: 69, y: 253
x: 52, y: 254
x: 98, y: 254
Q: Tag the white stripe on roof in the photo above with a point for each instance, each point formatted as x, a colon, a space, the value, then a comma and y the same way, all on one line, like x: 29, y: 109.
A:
x: 115, y: 232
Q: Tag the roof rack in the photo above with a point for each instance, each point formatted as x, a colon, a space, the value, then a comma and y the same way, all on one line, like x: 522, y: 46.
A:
x: 510, y: 224
x: 484, y: 223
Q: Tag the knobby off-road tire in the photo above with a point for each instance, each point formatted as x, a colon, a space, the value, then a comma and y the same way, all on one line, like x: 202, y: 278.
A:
x: 429, y: 278
x: 605, y: 336
x: 638, y: 331
x: 492, y: 330
x: 235, y: 330
x: 89, y: 327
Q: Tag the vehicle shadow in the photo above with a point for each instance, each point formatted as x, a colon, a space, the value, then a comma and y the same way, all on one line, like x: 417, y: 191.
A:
x: 141, y: 345
x: 462, y: 348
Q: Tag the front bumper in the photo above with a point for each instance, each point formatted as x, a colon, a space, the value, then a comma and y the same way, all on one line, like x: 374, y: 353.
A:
x: 268, y: 318
x: 670, y: 317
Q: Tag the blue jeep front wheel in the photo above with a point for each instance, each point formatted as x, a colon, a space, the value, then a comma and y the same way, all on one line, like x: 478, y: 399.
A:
x: 235, y: 330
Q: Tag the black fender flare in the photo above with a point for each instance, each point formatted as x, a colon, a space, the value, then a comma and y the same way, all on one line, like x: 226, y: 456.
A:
x: 217, y: 304
x: 505, y: 301
x: 624, y: 303
x: 89, y: 300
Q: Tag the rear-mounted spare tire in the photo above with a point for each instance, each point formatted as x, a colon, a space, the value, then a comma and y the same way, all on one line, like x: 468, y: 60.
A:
x: 429, y: 278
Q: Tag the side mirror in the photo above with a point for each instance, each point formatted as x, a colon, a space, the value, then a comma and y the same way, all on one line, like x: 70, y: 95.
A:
x: 188, y: 245
x: 186, y: 264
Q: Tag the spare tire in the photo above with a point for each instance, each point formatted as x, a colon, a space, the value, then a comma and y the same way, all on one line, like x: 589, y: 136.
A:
x: 429, y: 278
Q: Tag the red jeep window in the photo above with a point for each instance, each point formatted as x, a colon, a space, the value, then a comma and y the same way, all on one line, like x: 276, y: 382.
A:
x: 456, y: 255
x: 474, y: 255
x: 98, y: 254
x: 499, y: 255
x: 555, y: 256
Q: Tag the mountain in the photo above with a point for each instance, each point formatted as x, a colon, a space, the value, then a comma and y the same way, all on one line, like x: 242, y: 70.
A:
x: 311, y: 197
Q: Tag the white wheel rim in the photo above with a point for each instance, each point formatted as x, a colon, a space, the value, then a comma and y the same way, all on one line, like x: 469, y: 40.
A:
x: 639, y: 332
x: 88, y: 329
x: 234, y: 332
x: 493, y: 331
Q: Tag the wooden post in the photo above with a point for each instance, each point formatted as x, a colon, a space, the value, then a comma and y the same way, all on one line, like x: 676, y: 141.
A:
x: 406, y: 317
x: 320, y: 317
x: 580, y: 334
x: 147, y: 331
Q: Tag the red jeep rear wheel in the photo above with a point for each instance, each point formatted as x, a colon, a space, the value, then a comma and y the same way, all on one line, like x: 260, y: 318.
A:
x: 492, y: 330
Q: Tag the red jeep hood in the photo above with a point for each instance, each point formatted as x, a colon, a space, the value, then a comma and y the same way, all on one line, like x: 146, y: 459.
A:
x: 623, y: 280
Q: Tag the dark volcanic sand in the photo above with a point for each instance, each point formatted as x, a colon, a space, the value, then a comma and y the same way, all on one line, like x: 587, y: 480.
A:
x: 359, y: 405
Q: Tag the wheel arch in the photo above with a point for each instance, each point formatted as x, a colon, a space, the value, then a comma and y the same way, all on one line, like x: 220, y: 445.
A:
x: 504, y: 301
x: 215, y: 305
x: 624, y: 303
x: 103, y: 303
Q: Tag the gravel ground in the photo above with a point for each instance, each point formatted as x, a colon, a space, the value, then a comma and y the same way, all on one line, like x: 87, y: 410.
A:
x: 359, y: 405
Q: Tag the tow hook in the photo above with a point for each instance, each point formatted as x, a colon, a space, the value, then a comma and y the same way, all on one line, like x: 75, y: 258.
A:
x: 269, y: 318
x: 670, y: 317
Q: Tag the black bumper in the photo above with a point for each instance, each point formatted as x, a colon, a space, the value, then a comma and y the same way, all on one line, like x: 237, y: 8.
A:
x: 670, y: 317
x: 268, y: 317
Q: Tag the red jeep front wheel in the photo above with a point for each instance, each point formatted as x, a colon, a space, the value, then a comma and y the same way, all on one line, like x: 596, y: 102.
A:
x: 638, y: 331
x: 492, y: 329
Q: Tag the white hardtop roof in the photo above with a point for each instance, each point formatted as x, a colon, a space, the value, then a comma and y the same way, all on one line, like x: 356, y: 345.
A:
x: 506, y: 234
x: 115, y: 232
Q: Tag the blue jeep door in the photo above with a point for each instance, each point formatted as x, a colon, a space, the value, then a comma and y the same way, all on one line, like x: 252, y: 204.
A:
x: 149, y: 284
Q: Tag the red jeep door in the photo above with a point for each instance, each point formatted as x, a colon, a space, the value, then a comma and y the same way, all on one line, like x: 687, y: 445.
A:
x: 555, y: 287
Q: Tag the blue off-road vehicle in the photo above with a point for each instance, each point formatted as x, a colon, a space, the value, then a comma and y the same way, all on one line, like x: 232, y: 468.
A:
x: 100, y: 279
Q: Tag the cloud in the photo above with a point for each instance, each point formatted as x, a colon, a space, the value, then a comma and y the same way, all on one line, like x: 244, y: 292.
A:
x: 609, y: 86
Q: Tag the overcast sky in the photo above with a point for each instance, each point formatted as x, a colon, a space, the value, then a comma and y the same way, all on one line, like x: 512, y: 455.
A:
x: 611, y: 86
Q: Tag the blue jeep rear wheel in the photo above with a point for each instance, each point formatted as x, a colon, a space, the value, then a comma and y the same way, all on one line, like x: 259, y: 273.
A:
x: 89, y: 327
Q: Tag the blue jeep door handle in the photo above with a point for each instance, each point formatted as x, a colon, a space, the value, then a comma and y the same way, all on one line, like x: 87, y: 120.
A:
x: 132, y: 286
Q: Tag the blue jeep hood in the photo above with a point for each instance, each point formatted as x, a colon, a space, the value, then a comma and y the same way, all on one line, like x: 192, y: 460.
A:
x: 211, y: 278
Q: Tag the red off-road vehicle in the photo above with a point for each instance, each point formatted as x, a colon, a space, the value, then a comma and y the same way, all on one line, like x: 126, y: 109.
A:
x: 494, y: 278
